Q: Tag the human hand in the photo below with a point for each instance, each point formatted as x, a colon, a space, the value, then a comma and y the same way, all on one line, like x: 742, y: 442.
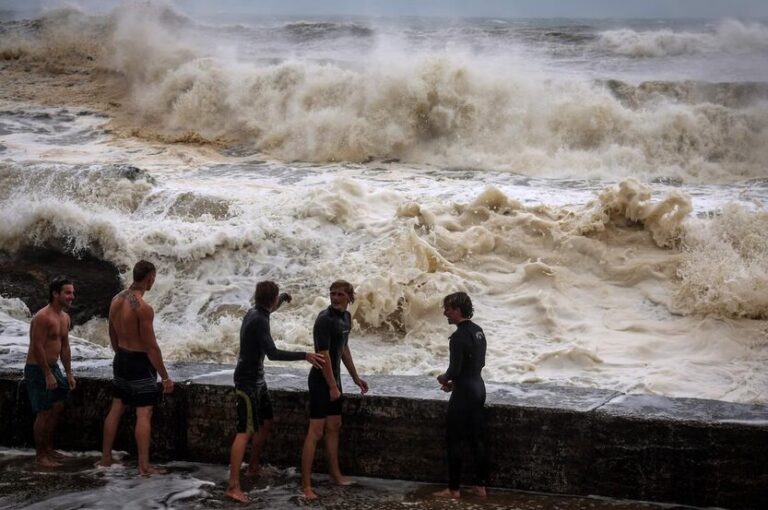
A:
x: 442, y: 379
x: 167, y: 385
x: 50, y: 381
x: 448, y: 387
x: 71, y: 381
x: 317, y: 360
x: 363, y: 386
x: 335, y: 394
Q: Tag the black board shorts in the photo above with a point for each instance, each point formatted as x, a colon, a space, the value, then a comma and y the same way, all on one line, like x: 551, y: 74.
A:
x: 320, y: 404
x: 135, y: 379
x: 254, y: 405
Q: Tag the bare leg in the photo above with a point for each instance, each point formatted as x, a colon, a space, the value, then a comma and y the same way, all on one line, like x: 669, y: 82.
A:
x: 332, y: 428
x: 143, y: 436
x: 447, y: 493
x: 53, y: 419
x: 40, y: 430
x: 257, y: 445
x: 111, y: 422
x: 314, y: 434
x: 235, y: 460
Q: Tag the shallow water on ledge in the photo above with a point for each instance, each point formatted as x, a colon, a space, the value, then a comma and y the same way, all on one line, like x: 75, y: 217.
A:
x: 78, y: 484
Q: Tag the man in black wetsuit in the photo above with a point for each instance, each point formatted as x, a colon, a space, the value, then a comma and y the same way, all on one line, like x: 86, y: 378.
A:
x: 331, y: 333
x: 465, y: 409
x: 254, y: 406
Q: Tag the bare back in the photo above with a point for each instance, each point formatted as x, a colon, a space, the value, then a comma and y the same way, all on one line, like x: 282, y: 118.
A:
x: 130, y: 322
x: 50, y: 329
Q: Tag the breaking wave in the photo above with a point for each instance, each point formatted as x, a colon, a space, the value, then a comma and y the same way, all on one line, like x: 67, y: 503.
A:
x: 728, y: 36
x: 437, y: 109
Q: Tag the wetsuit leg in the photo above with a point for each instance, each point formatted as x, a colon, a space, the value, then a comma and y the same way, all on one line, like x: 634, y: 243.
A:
x: 466, y: 420
x: 455, y: 422
x: 477, y: 440
x: 476, y: 429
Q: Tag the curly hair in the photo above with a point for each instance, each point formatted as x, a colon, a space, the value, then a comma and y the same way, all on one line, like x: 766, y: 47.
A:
x: 461, y: 301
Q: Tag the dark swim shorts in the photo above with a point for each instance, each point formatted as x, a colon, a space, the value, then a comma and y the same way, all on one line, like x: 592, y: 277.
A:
x: 254, y: 405
x: 40, y: 397
x: 320, y: 404
x: 135, y: 379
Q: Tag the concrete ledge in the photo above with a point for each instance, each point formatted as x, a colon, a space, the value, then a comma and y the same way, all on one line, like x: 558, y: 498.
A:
x: 542, y: 438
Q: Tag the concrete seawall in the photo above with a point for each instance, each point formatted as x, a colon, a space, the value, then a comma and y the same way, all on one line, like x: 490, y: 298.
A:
x: 542, y: 438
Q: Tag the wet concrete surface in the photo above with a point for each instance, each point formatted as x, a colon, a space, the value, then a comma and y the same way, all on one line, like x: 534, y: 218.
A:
x: 541, y: 438
x: 78, y: 484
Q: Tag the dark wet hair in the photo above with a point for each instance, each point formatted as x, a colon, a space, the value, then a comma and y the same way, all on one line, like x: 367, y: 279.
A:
x: 56, y: 285
x: 346, y: 287
x: 265, y: 294
x: 461, y: 301
x: 142, y: 269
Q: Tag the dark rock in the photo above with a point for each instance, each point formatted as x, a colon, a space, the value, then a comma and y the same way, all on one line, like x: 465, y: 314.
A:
x: 26, y: 274
x: 132, y: 173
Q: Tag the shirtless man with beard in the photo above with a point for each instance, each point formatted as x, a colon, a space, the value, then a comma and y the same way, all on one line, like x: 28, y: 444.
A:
x: 46, y: 385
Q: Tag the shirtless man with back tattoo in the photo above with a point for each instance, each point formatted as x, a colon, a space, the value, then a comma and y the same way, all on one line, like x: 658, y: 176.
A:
x: 138, y: 361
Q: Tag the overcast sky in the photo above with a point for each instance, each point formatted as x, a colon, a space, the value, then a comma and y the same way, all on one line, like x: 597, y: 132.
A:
x: 504, y: 8
x: 745, y: 9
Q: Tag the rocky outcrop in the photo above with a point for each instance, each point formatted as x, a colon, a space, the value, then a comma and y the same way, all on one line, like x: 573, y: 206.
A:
x: 26, y: 274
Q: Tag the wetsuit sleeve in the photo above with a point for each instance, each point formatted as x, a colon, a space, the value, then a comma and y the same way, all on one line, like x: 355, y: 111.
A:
x: 273, y: 353
x: 454, y: 367
x: 322, y: 334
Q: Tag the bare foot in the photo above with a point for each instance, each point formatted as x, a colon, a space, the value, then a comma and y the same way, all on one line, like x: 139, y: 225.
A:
x: 478, y: 491
x: 447, y: 493
x: 152, y: 470
x: 235, y: 494
x: 47, y: 462
x: 308, y: 493
x: 106, y: 462
x: 56, y: 455
x: 342, y: 480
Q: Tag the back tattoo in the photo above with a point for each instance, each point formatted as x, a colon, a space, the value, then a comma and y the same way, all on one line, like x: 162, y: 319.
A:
x: 131, y: 297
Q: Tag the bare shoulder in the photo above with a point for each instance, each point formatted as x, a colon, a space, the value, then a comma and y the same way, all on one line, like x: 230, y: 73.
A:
x: 44, y: 317
x: 144, y: 309
x: 134, y: 301
x: 119, y: 296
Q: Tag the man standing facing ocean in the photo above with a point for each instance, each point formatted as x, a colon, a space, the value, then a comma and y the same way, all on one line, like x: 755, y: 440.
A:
x: 138, y: 361
x: 466, y: 418
x: 46, y: 385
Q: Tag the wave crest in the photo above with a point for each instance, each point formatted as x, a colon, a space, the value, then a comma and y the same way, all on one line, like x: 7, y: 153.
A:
x: 729, y: 36
x: 724, y: 270
x: 438, y: 109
